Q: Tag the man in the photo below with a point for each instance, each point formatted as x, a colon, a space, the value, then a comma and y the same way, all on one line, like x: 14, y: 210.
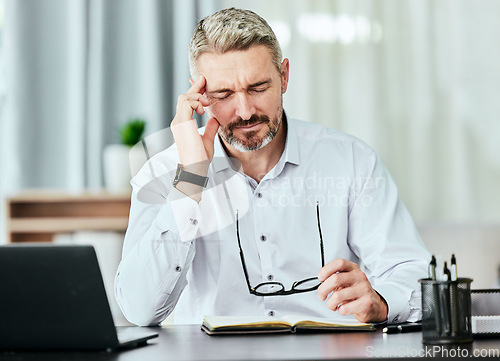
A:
x: 282, y: 193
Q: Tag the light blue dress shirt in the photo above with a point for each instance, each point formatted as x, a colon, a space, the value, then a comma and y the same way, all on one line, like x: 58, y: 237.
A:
x: 178, y: 253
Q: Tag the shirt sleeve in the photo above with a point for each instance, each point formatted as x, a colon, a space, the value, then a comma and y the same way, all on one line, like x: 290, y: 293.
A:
x: 158, y: 251
x: 383, y: 234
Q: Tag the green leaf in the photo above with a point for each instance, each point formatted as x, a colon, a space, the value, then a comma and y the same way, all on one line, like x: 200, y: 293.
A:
x: 131, y: 132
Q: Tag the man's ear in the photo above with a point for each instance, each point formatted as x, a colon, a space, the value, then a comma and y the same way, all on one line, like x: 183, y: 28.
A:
x: 285, y: 73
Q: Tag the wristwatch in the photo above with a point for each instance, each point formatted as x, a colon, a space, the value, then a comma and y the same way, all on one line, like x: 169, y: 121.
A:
x: 182, y: 175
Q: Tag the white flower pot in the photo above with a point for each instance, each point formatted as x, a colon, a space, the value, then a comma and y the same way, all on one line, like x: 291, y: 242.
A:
x: 117, y: 168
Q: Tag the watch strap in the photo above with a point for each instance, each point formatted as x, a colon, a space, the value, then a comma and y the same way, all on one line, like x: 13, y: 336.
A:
x: 181, y: 175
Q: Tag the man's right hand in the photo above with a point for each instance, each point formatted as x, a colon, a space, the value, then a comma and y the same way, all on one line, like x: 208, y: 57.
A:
x: 195, y: 151
x: 194, y: 148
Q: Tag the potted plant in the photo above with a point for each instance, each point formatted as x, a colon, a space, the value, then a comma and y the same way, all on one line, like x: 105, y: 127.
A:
x: 131, y: 132
x: 117, y: 157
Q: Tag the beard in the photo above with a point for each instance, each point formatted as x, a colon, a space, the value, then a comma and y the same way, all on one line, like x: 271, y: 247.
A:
x: 250, y: 140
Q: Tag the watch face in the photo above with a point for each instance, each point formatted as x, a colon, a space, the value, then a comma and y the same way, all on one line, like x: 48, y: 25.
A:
x: 178, y: 174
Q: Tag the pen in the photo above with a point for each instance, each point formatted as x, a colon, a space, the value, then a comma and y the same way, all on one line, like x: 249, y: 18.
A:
x: 445, y: 299
x: 432, y: 268
x: 454, y: 297
x: 454, y: 272
x: 402, y: 328
x: 435, y: 292
x: 446, y: 272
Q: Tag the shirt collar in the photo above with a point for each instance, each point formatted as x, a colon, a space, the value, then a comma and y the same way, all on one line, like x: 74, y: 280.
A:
x: 220, y: 161
x: 291, y: 153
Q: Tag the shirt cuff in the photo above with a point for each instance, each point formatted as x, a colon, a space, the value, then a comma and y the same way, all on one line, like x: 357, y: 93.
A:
x: 186, y: 214
x: 397, y: 302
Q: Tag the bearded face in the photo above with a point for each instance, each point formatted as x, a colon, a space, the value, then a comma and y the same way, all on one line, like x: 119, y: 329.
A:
x: 245, y: 90
x: 250, y: 137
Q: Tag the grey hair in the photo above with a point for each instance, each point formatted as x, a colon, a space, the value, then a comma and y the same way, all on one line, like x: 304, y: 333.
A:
x: 232, y: 30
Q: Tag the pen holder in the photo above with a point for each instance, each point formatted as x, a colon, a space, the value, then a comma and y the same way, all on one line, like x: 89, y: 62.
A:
x: 446, y: 311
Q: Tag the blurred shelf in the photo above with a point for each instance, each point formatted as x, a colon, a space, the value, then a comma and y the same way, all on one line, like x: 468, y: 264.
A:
x: 57, y: 225
x: 38, y: 215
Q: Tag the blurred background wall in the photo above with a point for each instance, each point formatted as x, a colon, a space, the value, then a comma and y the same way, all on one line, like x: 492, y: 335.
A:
x: 418, y: 80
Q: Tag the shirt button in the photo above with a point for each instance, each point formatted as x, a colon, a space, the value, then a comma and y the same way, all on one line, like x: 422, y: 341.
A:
x: 263, y: 238
x: 178, y: 269
x: 271, y: 313
x: 259, y: 195
x: 270, y: 277
x: 194, y: 222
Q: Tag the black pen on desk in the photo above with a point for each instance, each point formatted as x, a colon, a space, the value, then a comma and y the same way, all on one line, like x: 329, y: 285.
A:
x: 403, y: 328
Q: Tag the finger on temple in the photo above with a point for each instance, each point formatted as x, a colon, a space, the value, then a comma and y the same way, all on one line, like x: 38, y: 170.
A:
x: 198, y: 86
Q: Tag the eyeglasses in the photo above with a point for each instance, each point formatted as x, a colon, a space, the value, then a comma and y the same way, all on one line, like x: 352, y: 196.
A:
x: 277, y: 288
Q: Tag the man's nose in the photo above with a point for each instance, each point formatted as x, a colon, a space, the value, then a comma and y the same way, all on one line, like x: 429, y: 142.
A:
x: 244, y: 106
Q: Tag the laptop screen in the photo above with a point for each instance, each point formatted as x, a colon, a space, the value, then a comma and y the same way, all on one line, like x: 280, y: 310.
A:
x: 53, y: 297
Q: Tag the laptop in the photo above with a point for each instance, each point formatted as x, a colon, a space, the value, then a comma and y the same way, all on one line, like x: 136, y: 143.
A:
x: 52, y: 297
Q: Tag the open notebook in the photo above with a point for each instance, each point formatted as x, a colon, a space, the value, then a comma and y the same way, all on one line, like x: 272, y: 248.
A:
x: 53, y: 297
x: 220, y: 325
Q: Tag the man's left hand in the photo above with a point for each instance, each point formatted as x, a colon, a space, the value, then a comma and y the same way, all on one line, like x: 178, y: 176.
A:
x: 352, y: 292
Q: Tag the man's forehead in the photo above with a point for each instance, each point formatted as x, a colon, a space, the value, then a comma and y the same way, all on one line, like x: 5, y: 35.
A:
x: 248, y: 66
x: 231, y: 84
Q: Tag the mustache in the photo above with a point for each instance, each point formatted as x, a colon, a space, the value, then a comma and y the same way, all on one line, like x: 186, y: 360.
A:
x: 254, y: 119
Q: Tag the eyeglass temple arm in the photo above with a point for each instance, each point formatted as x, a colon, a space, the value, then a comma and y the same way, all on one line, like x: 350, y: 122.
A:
x: 322, y: 248
x: 243, y: 263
